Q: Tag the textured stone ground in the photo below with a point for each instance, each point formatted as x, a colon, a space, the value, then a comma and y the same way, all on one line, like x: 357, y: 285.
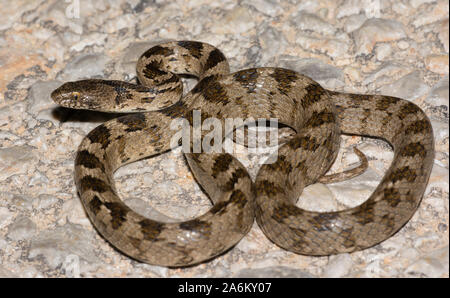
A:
x: 392, y: 47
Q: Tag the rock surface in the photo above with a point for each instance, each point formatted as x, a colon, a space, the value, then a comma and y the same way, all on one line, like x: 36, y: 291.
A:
x: 398, y: 49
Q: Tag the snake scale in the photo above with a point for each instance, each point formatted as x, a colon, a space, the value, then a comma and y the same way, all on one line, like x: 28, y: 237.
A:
x: 317, y: 116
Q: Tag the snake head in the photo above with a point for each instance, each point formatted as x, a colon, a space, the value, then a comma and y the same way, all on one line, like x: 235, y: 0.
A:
x: 84, y: 94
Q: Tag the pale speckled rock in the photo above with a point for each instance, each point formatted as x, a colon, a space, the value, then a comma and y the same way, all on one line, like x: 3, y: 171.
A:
x: 317, y: 197
x: 16, y: 160
x: 12, y: 13
x: 439, y: 178
x: 383, y: 73
x: 5, y: 216
x: 44, y: 201
x: 353, y: 22
x: 5, y: 273
x: 19, y: 201
x: 354, y: 192
x: 97, y: 39
x: 439, y: 95
x: 304, y: 21
x: 268, y: 7
x: 338, y: 266
x: 84, y: 66
x: 21, y: 229
x: 435, y: 264
x: 125, y: 21
x: 383, y: 51
x: 166, y: 189
x: 169, y: 166
x: 437, y: 63
x: 273, y: 272
x: 327, y: 75
x: 61, y: 244
x: 443, y: 33
x: 272, y: 43
x: 417, y: 3
x: 3, y: 243
x: 408, y: 87
x: 72, y: 211
x: 377, y: 30
x: 235, y: 21
x: 145, y: 209
x: 440, y: 131
x: 431, y: 14
x: 39, y: 96
x: 333, y: 47
x: 351, y: 7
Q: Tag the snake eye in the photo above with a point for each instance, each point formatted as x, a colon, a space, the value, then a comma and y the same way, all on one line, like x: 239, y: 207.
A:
x: 75, y: 95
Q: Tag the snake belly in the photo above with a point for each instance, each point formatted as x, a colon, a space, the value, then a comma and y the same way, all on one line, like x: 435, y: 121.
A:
x: 318, y: 117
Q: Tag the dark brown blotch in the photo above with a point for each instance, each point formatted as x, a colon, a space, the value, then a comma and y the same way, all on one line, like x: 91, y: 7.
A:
x: 420, y: 126
x: 320, y: 118
x: 215, y: 93
x: 151, y: 229
x: 349, y: 239
x: 238, y: 198
x: 238, y: 174
x: 330, y: 145
x: 308, y: 143
x: 314, y: 94
x: 203, y: 84
x: 118, y: 214
x: 404, y: 173
x: 153, y: 70
x: 133, y: 122
x: 158, y: 50
x: 247, y: 78
x: 195, y: 48
x: 95, y: 205
x: 220, y: 207
x: 388, y: 222
x: 364, y: 214
x: 356, y: 98
x: 175, y: 111
x: 283, y: 211
x: 268, y: 188
x: 392, y: 196
x: 408, y: 109
x: 101, y: 135
x: 221, y: 164
x: 284, y: 78
x: 413, y: 149
x: 88, y: 160
x: 281, y: 165
x: 93, y: 183
x: 385, y: 102
x: 173, y: 78
x: 214, y: 58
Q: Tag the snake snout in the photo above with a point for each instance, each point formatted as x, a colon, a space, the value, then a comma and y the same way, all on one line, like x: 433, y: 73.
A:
x: 57, y: 95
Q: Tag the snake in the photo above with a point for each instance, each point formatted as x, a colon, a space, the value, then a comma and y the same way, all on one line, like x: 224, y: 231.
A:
x: 318, y: 118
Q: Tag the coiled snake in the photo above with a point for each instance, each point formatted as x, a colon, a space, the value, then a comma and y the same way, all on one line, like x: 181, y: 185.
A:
x: 318, y: 117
